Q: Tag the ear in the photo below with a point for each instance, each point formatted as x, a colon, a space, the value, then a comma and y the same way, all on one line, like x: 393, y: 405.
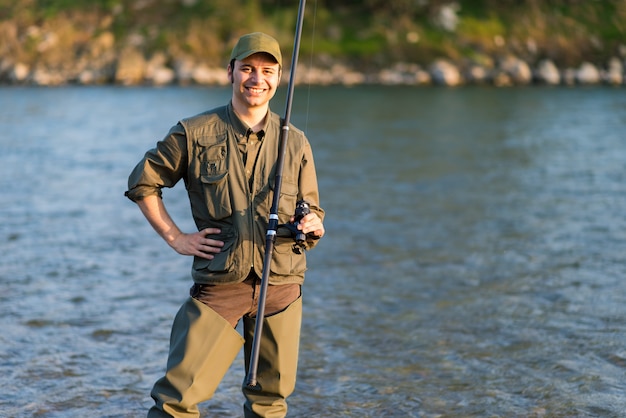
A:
x: 230, y: 74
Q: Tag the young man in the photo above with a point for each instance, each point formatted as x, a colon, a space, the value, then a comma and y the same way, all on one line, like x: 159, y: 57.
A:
x: 227, y: 159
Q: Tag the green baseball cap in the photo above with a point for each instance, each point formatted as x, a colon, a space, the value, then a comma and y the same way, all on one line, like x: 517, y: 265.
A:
x: 253, y: 43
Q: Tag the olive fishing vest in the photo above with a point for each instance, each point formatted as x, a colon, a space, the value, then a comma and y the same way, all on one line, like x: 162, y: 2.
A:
x: 221, y: 197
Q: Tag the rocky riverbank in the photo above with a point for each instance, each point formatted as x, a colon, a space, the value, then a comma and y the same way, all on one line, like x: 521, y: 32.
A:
x: 130, y: 67
x: 60, y: 53
x: 508, y: 72
x: 100, y: 64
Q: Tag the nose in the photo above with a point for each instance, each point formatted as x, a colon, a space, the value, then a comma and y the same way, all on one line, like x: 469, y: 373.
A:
x: 255, y: 75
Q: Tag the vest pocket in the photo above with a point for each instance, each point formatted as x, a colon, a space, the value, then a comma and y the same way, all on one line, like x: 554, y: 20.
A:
x: 285, y: 262
x: 287, y: 201
x: 217, y: 195
x: 222, y: 262
x: 214, y: 181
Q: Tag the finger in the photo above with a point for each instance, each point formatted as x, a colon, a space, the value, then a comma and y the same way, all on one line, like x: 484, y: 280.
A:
x: 313, y: 228
x: 210, y: 231
x: 307, y: 221
x: 210, y: 249
x: 206, y: 251
x: 213, y: 242
x: 201, y: 254
x: 310, y: 217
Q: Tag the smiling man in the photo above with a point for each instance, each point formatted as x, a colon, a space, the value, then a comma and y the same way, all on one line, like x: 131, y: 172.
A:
x: 254, y: 79
x: 227, y: 160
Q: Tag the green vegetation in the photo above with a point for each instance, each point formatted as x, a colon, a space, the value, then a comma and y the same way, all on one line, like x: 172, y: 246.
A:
x: 367, y: 34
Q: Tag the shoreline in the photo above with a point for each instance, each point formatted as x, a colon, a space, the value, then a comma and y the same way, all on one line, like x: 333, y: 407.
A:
x: 133, y: 71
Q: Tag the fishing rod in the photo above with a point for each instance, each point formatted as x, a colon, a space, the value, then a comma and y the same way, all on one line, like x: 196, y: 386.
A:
x: 272, y: 227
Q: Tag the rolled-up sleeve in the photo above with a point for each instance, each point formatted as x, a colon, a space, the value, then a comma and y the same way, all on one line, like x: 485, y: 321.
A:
x: 309, y: 188
x: 162, y: 166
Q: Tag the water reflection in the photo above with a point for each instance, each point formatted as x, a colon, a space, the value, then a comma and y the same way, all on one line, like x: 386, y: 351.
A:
x: 472, y: 266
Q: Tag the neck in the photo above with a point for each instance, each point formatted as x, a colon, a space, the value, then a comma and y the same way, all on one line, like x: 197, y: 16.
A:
x: 253, y: 117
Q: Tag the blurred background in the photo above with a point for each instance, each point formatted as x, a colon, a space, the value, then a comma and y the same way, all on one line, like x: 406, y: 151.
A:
x: 501, y: 42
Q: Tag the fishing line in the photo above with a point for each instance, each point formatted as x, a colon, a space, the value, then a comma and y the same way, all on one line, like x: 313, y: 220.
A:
x: 308, y: 99
x: 279, y: 5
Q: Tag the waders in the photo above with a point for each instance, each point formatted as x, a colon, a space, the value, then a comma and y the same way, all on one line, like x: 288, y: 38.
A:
x: 203, y: 345
x: 278, y: 362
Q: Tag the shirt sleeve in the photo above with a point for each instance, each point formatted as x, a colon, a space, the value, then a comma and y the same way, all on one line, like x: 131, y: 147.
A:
x: 162, y: 166
x: 309, y: 188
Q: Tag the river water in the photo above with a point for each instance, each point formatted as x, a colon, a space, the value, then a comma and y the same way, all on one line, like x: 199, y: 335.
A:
x: 473, y: 264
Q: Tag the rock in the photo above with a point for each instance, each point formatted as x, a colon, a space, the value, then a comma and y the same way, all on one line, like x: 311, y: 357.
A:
x: 547, y: 73
x: 411, y: 74
x: 390, y: 77
x: 422, y: 77
x: 517, y: 69
x: 44, y: 77
x: 337, y: 72
x: 19, y: 73
x: 102, y: 43
x: 477, y: 74
x: 351, y: 78
x: 162, y: 76
x: 569, y: 76
x: 131, y: 67
x: 206, y: 75
x: 447, y: 17
x: 587, y: 73
x: 86, y: 77
x: 183, y: 69
x: 501, y: 79
x: 48, y: 41
x: 157, y: 72
x: 615, y: 72
x: 97, y: 73
x: 404, y: 74
x: 314, y: 75
x: 5, y: 67
x: 445, y: 73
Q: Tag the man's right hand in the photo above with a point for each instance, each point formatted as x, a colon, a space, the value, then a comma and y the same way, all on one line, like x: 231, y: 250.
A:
x: 197, y: 244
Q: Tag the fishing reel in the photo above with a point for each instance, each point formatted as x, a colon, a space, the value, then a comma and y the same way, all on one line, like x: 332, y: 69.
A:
x: 302, y: 209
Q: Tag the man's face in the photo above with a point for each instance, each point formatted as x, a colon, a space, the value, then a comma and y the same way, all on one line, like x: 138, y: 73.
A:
x: 254, y: 80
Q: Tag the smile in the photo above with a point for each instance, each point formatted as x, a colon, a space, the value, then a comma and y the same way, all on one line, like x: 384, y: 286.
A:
x: 254, y: 90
